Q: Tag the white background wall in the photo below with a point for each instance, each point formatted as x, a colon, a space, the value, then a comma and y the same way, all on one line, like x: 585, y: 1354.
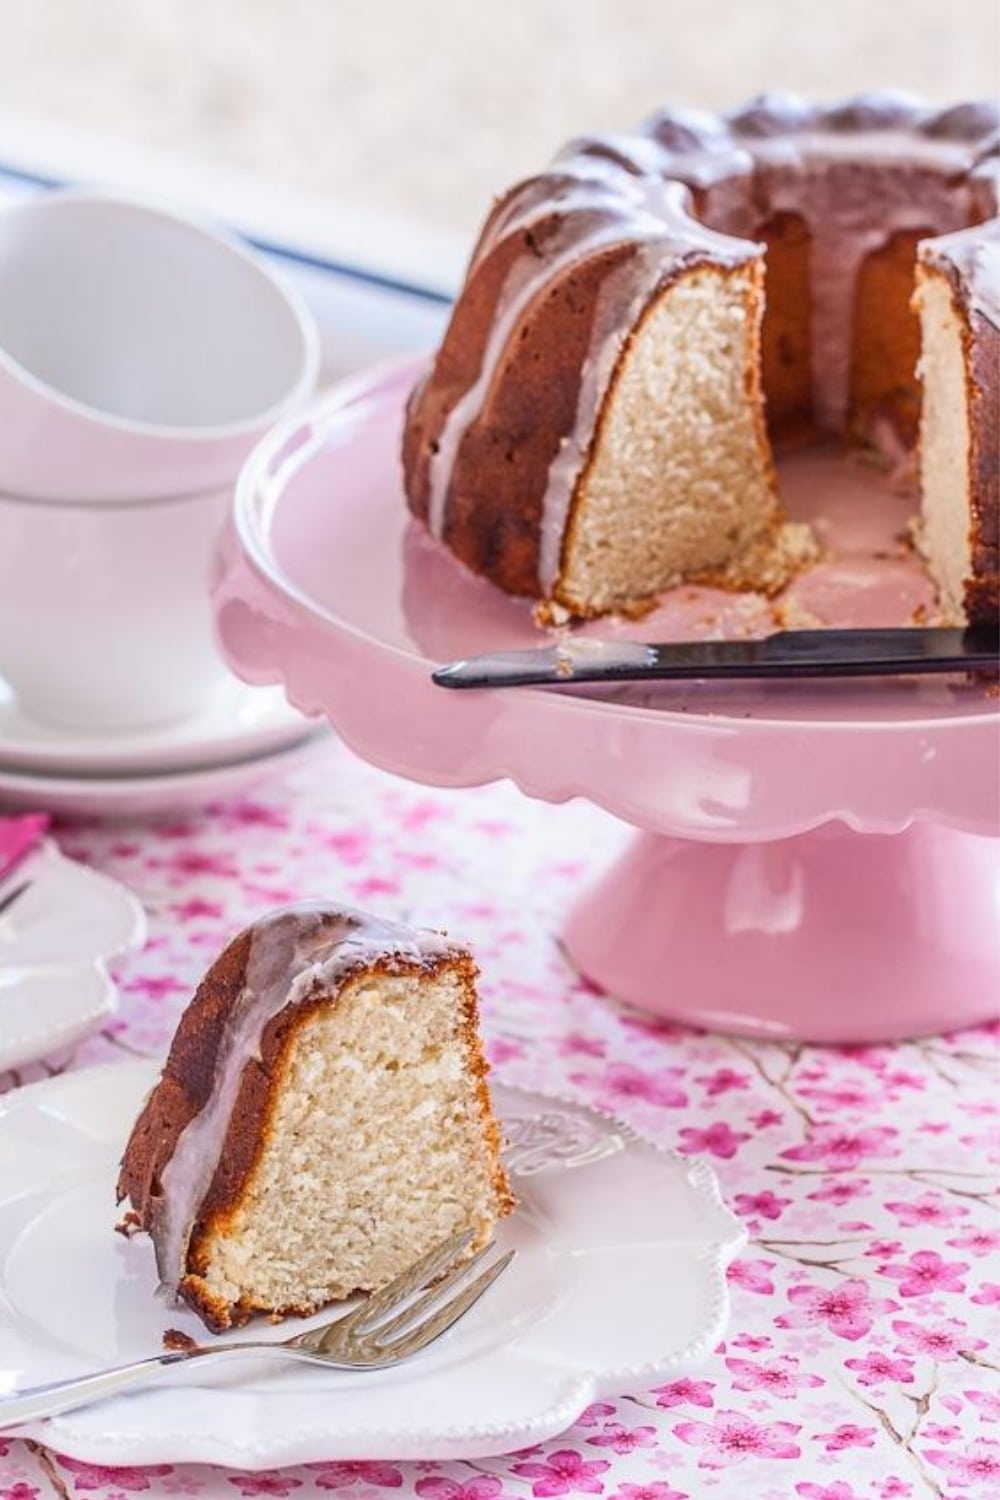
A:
x: 424, y: 107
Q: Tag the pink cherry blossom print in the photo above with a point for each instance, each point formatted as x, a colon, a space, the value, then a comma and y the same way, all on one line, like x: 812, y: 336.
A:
x: 722, y: 1081
x: 842, y: 1150
x: 341, y: 1476
x: 623, y: 1439
x: 684, y: 1392
x: 766, y: 1205
x: 482, y: 1487
x: 924, y: 1272
x: 656, y: 1490
x: 987, y: 1403
x: 731, y: 1437
x: 848, y: 1309
x: 839, y: 1490
x: 752, y: 1275
x: 96, y: 1476
x: 978, y: 1465
x: 930, y: 1208
x: 718, y: 1140
x: 564, y: 1472
x: 265, y: 1483
x: 988, y: 1294
x: 984, y: 1240
x: 877, y: 1367
x: 847, y: 1435
x: 943, y: 1340
x: 622, y: 1083
x: 779, y: 1377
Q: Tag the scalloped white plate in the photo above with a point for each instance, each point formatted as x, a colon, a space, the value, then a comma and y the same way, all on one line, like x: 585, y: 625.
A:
x: 55, y: 941
x: 619, y: 1281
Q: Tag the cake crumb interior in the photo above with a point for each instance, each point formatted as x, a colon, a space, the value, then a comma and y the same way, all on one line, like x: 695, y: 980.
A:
x: 374, y: 1153
x: 650, y: 510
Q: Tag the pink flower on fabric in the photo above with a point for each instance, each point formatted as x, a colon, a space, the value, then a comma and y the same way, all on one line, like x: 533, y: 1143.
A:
x: 942, y: 1432
x: 19, y: 1491
x: 779, y: 1377
x: 932, y: 1208
x: 732, y: 1437
x: 270, y: 1483
x: 979, y: 1464
x: 755, y: 1342
x: 979, y: 1241
x: 876, y: 1368
x: 339, y: 1476
x: 623, y: 1081
x: 594, y: 1413
x: 988, y: 1294
x: 723, y: 1081
x: 765, y: 1117
x: 848, y: 1309
x: 840, y: 1193
x: 847, y: 1435
x: 482, y: 1487
x: 97, y: 1476
x: 943, y: 1341
x: 843, y: 1096
x: 766, y: 1205
x: 925, y: 1272
x: 839, y: 1490
x: 842, y: 1150
x: 624, y: 1439
x: 987, y: 1403
x: 190, y: 910
x: 657, y: 1490
x: 718, y: 1139
x: 685, y: 1391
x: 751, y: 1275
x: 892, y: 1488
x: 564, y: 1472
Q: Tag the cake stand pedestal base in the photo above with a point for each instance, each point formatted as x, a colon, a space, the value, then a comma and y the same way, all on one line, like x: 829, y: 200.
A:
x: 831, y: 936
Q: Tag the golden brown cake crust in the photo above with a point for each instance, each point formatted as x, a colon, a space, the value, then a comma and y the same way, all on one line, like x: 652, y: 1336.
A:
x: 186, y: 1084
x: 982, y: 595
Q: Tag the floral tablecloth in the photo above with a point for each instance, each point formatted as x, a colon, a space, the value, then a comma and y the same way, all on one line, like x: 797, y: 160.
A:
x: 862, y: 1358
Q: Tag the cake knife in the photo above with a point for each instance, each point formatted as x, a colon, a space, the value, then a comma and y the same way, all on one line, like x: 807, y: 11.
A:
x: 789, y: 653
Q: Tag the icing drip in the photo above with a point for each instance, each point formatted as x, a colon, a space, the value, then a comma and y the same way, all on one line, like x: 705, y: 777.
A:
x: 293, y: 954
x: 975, y: 255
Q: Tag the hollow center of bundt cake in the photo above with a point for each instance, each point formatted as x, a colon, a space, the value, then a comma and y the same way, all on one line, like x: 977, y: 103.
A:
x: 373, y: 1152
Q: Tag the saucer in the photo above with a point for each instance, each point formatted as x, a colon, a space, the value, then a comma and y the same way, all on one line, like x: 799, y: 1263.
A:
x: 619, y: 1282
x: 153, y: 795
x: 239, y: 722
x: 55, y: 941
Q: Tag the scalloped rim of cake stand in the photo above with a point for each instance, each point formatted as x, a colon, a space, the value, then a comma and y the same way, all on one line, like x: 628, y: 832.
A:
x: 696, y: 775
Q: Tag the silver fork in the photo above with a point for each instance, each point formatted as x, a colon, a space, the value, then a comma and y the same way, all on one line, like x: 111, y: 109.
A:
x: 385, y: 1329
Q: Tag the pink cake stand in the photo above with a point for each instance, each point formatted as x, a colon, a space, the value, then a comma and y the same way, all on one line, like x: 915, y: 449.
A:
x: 814, y: 860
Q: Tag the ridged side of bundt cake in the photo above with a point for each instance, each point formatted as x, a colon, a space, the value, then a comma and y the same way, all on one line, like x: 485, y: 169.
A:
x: 322, y: 1119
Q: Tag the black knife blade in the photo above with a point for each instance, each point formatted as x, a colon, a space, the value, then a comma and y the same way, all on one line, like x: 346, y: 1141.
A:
x: 789, y: 653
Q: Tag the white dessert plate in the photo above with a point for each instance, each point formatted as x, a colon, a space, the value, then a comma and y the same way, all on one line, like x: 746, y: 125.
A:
x: 151, y: 795
x: 619, y: 1281
x: 237, y: 723
x: 55, y: 941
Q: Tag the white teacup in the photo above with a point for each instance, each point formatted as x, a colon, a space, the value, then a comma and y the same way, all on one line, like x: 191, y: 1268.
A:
x: 141, y: 353
x: 104, y: 615
x: 141, y: 357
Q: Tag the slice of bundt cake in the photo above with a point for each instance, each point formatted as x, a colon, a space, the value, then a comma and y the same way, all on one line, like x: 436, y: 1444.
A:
x: 322, y: 1119
x: 958, y: 299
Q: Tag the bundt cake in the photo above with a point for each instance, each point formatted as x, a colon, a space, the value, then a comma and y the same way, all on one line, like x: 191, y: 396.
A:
x: 642, y: 321
x: 322, y: 1119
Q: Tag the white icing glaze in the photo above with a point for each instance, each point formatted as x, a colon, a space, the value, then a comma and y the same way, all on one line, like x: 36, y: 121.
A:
x: 975, y: 255
x: 294, y: 953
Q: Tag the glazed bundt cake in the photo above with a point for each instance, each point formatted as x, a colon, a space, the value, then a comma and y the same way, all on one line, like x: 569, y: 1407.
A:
x: 322, y: 1119
x: 644, y: 320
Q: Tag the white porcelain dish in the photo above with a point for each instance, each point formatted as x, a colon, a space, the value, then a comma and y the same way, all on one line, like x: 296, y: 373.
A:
x: 619, y: 1281
x: 237, y: 722
x: 150, y: 794
x: 55, y: 942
